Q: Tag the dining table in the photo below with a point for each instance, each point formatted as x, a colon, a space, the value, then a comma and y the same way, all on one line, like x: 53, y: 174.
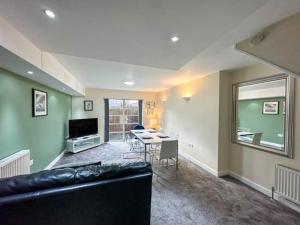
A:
x: 151, y: 136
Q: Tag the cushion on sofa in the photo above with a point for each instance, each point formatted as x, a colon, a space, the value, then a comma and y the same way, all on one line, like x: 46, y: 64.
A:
x: 67, y: 176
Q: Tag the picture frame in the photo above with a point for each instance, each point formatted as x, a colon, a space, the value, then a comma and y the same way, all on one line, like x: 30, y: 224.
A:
x: 271, y: 108
x: 39, y: 103
x: 88, y: 105
x: 150, y: 105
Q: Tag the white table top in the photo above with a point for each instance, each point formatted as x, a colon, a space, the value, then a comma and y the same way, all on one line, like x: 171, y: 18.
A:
x: 244, y: 133
x: 155, y: 139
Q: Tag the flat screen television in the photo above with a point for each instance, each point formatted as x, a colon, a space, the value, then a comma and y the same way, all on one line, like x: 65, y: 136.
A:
x: 83, y: 127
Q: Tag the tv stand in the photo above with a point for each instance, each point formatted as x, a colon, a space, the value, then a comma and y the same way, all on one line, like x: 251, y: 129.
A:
x: 82, y: 143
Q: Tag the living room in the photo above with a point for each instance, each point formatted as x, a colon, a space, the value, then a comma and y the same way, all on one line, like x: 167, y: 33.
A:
x: 165, y: 113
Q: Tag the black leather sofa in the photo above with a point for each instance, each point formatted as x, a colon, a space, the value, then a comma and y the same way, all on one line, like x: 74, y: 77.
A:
x: 85, y: 195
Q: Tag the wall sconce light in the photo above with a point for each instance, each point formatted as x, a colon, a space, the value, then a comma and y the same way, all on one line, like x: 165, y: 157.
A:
x: 187, y: 98
x: 164, y: 100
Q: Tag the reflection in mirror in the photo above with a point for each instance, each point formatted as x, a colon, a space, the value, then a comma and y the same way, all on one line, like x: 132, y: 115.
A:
x: 261, y: 114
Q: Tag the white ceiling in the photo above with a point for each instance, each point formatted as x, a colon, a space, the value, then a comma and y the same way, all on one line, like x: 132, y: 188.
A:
x: 111, y: 75
x: 103, y: 43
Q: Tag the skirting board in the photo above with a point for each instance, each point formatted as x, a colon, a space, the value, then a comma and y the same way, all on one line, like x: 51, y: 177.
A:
x: 264, y: 190
x: 247, y: 181
x: 242, y: 179
x: 227, y: 172
x: 55, y: 160
x: 223, y: 173
x: 198, y: 163
x: 250, y: 183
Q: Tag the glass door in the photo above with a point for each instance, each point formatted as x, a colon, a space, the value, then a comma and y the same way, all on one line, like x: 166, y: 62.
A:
x: 131, y: 115
x: 116, y: 127
x: 123, y: 117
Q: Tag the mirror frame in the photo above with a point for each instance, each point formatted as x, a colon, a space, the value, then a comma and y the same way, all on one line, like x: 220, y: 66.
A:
x: 289, y: 114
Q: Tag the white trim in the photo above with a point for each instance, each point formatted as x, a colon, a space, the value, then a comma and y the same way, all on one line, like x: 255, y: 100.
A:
x: 55, y: 160
x: 250, y: 183
x: 264, y: 190
x: 198, y: 163
x: 287, y: 203
x: 223, y: 173
x: 242, y: 179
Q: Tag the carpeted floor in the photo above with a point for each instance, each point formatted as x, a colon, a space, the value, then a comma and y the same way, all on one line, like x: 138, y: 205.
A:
x: 191, y: 196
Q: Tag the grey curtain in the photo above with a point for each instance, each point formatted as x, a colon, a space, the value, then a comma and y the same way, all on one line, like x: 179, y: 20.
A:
x: 106, y: 120
x: 141, y: 112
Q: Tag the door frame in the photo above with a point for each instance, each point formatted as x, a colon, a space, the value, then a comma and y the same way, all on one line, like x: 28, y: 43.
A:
x: 123, y: 116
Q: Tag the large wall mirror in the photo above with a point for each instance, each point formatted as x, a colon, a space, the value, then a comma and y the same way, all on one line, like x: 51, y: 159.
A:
x: 263, y: 114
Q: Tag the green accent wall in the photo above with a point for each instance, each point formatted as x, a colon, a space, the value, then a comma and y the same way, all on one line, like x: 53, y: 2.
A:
x: 44, y: 136
x: 252, y: 119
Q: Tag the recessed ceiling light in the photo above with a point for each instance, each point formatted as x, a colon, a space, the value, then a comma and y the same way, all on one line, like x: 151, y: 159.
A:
x: 174, y: 39
x: 129, y: 82
x: 30, y: 72
x: 49, y: 13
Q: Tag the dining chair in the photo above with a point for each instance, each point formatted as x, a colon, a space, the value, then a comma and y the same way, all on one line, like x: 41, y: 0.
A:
x: 257, y: 138
x: 139, y: 127
x: 168, y: 150
x: 135, y: 148
x: 173, y: 134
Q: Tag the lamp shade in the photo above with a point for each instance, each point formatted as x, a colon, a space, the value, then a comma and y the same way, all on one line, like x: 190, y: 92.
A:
x: 153, y: 122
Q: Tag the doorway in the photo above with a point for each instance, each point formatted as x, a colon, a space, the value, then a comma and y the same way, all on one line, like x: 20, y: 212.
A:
x: 123, y: 116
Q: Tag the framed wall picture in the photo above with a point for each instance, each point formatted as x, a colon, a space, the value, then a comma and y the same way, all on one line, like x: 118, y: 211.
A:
x: 88, y: 105
x: 150, y: 105
x: 271, y: 108
x: 39, y: 103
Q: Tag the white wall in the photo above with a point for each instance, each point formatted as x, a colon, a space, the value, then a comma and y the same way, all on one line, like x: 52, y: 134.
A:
x: 204, y: 125
x: 196, y: 121
x: 224, y: 121
x: 98, y: 96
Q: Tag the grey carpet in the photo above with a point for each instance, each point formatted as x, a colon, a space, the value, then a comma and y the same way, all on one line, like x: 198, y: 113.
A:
x: 107, y: 153
x: 192, y: 196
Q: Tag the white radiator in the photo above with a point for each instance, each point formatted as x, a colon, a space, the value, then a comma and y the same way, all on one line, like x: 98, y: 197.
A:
x: 287, y: 183
x: 16, y: 164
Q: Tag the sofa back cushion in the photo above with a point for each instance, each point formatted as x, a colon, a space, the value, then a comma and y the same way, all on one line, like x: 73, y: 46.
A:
x: 69, y: 175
